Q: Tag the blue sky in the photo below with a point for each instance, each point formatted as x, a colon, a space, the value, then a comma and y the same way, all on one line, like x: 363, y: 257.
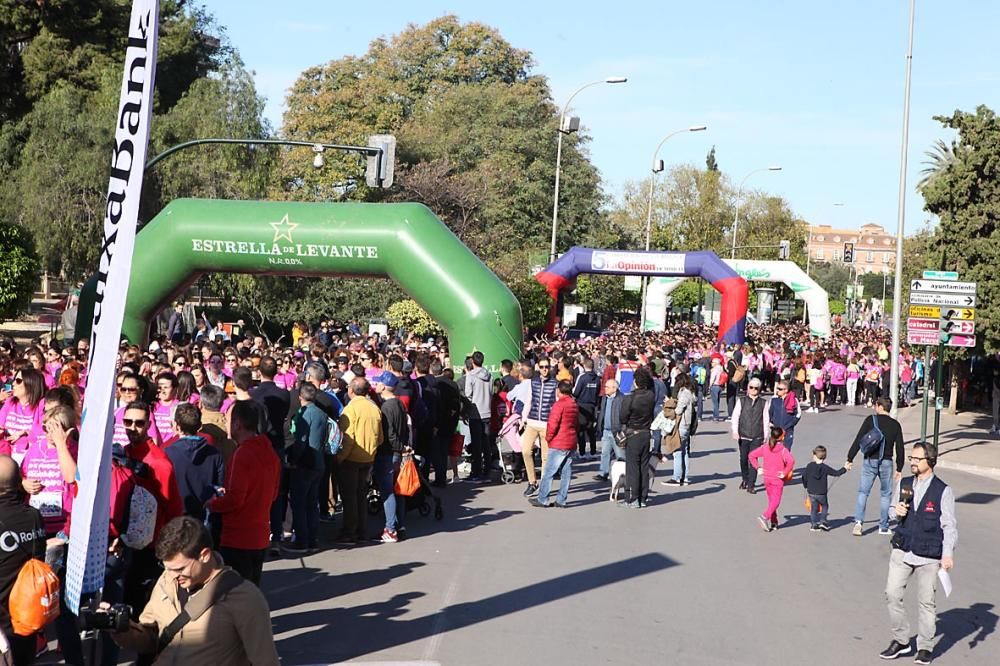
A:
x: 813, y: 86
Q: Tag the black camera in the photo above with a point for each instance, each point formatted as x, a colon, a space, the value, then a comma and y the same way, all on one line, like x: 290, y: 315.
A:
x: 115, y: 618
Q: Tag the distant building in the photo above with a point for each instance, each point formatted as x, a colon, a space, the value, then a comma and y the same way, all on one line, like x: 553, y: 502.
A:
x: 874, y: 248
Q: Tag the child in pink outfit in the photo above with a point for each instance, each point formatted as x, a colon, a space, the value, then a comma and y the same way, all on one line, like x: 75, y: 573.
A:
x: 776, y: 468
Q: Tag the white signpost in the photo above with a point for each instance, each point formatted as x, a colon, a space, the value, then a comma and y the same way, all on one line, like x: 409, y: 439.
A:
x: 942, y: 311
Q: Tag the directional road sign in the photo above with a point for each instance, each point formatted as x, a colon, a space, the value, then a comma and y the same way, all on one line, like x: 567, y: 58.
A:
x: 961, y: 341
x: 922, y: 338
x: 943, y: 286
x: 940, y: 275
x: 960, y: 327
x: 925, y: 311
x: 954, y: 314
x: 931, y: 325
x: 958, y: 300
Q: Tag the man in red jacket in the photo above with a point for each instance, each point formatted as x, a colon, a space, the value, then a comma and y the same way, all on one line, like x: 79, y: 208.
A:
x: 252, y: 478
x: 154, y: 472
x: 561, y: 436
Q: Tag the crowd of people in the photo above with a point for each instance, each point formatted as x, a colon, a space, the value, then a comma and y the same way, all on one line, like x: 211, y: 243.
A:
x: 224, y: 441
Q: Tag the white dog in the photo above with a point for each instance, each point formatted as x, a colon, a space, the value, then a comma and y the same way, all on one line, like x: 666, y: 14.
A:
x: 618, y: 475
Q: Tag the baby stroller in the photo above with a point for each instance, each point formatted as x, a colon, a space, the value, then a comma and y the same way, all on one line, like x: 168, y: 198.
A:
x: 509, y: 448
x: 421, y: 500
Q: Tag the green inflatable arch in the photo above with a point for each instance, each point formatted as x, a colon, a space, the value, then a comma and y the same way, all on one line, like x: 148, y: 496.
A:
x: 405, y: 242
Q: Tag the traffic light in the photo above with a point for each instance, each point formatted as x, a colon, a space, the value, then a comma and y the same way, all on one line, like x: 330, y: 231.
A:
x: 784, y: 249
x: 380, y: 167
x: 848, y: 253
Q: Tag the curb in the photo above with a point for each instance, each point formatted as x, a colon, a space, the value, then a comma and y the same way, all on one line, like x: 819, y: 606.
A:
x: 978, y: 470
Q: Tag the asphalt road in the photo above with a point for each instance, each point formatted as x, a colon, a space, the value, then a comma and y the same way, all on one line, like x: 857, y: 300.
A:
x: 690, y: 579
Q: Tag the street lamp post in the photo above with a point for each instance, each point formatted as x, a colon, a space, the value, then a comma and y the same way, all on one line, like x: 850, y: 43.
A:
x: 897, y: 291
x: 562, y: 129
x: 657, y: 167
x: 739, y: 195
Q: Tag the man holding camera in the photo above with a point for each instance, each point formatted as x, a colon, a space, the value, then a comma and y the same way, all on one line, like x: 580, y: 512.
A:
x: 201, y: 613
x: 923, y: 544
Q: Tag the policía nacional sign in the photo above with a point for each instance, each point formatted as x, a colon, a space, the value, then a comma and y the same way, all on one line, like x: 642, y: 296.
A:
x: 957, y: 300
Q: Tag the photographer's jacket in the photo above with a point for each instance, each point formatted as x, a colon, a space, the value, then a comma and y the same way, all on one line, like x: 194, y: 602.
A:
x: 22, y: 537
x: 235, y: 631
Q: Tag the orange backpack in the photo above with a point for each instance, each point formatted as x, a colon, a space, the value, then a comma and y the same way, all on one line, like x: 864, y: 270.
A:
x: 34, y: 599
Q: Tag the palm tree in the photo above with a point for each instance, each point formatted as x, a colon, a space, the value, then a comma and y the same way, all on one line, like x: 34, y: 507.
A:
x: 940, y: 157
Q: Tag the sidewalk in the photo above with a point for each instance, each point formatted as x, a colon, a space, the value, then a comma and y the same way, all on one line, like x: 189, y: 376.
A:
x: 965, y: 443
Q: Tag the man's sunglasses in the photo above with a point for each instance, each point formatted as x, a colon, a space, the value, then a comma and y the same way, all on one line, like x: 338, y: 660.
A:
x: 138, y: 423
x: 128, y: 389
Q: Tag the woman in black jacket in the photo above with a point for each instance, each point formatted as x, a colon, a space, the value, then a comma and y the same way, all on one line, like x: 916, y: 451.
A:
x: 637, y: 416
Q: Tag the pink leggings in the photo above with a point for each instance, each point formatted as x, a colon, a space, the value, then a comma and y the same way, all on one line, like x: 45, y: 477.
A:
x: 774, y: 488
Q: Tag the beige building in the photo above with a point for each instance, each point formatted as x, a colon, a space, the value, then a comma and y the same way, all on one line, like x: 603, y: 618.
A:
x: 874, y: 248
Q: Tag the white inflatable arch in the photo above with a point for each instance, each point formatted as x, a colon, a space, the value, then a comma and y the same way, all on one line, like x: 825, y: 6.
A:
x: 787, y: 272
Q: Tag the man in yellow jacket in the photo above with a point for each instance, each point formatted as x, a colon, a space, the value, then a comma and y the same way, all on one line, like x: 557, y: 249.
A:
x: 361, y: 424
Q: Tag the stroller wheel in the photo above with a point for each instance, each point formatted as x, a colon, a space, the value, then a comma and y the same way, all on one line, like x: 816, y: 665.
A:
x: 424, y: 509
x: 507, y: 477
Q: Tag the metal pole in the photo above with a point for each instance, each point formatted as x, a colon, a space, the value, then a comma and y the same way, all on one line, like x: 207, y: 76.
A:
x: 923, y: 406
x: 897, y: 296
x: 736, y: 222
x: 555, y: 200
x: 366, y: 150
x: 649, y: 226
x: 938, y: 392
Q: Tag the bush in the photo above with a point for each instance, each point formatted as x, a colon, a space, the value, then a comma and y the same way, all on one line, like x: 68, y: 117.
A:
x: 19, y: 269
x: 409, y: 315
x: 534, y: 300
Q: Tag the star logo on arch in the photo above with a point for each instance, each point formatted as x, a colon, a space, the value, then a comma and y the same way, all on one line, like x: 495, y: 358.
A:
x: 283, y: 229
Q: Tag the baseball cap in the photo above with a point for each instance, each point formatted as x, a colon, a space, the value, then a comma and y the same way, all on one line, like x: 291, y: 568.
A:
x: 387, y: 379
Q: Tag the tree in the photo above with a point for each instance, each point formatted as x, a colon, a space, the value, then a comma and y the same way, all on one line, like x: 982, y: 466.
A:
x: 710, y: 163
x: 965, y: 195
x: 834, y: 278
x: 939, y: 158
x: 534, y: 300
x: 19, y: 269
x: 62, y: 103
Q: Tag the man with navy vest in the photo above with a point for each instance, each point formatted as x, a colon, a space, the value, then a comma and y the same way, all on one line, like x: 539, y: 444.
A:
x: 923, y: 544
x: 751, y: 422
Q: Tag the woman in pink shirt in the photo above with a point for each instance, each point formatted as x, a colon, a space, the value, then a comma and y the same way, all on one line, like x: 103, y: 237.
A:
x: 166, y: 403
x: 49, y: 469
x: 22, y: 412
x: 187, y: 391
x: 37, y: 361
x: 776, y: 469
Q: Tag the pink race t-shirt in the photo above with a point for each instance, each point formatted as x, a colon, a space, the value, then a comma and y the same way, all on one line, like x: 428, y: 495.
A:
x: 55, y: 501
x: 163, y: 415
x: 16, y: 416
x: 121, y: 438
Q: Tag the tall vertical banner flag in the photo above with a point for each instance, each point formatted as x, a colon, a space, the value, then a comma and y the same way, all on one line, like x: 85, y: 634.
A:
x: 88, y: 546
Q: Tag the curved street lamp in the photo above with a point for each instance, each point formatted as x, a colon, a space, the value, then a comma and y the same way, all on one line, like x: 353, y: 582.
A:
x: 569, y: 128
x: 657, y: 167
x: 739, y: 195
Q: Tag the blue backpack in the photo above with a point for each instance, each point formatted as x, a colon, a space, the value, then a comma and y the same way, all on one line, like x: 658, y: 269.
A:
x: 873, y: 441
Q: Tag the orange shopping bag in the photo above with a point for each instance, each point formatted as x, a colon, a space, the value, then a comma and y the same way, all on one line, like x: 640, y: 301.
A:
x: 408, y: 481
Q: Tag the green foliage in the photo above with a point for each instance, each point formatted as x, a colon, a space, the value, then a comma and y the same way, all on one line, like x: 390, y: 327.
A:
x: 534, y: 300
x: 686, y: 295
x: 965, y: 195
x: 58, y: 115
x: 605, y: 293
x: 409, y: 315
x: 710, y: 163
x: 834, y: 278
x: 837, y: 306
x: 476, y: 134
x: 19, y: 269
